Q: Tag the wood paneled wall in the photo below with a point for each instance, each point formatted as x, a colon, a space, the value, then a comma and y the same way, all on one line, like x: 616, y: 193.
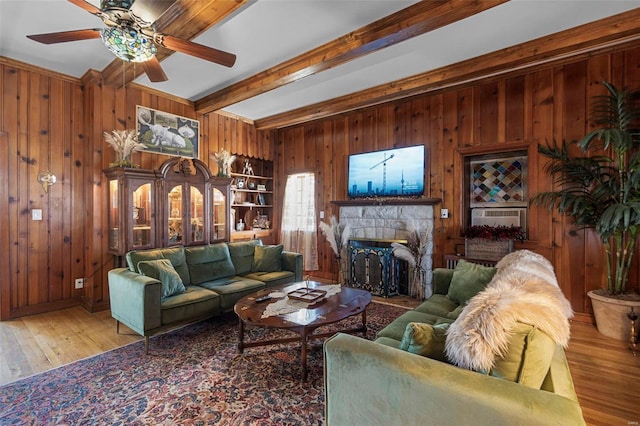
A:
x: 53, y: 122
x: 516, y: 111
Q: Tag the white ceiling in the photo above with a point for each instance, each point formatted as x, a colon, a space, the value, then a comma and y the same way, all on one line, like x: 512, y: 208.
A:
x: 265, y: 33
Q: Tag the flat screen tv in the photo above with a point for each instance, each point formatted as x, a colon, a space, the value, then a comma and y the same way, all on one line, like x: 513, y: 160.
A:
x: 397, y: 172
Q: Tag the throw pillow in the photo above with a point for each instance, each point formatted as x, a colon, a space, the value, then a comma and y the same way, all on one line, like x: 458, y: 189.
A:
x: 468, y: 280
x: 527, y: 358
x: 267, y: 259
x: 425, y: 339
x: 163, y: 271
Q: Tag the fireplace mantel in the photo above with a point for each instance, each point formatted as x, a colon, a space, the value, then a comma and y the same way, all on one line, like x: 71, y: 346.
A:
x: 388, y: 202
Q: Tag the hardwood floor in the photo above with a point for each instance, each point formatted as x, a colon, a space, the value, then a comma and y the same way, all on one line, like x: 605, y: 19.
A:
x: 605, y: 373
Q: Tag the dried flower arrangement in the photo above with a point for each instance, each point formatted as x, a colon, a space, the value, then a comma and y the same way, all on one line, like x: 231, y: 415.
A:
x: 124, y: 143
x: 337, y: 236
x: 495, y: 233
x: 418, y: 241
x: 224, y: 159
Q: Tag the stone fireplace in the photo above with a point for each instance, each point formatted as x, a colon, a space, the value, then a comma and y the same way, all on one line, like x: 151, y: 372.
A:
x: 374, y: 225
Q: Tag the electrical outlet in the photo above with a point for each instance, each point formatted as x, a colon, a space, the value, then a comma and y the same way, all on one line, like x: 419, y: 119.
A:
x: 444, y: 213
x: 79, y: 283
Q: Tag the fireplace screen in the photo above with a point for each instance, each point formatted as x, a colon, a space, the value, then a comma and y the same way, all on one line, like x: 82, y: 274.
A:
x: 374, y: 268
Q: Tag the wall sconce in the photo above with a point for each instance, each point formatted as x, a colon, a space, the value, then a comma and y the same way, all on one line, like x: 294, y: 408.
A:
x: 46, y: 179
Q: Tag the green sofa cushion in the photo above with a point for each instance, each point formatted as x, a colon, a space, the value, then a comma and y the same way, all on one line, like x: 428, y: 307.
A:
x: 267, y: 259
x: 194, y: 303
x: 174, y: 254
x: 468, y: 280
x: 425, y: 339
x: 395, y: 330
x: 272, y: 279
x: 438, y: 304
x: 232, y: 289
x: 528, y: 357
x: 242, y: 255
x: 163, y: 271
x: 208, y: 263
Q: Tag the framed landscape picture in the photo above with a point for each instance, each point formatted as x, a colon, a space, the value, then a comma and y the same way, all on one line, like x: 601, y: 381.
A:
x: 169, y: 134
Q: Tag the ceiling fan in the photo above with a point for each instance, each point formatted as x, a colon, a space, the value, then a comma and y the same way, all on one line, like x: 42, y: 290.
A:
x: 131, y: 34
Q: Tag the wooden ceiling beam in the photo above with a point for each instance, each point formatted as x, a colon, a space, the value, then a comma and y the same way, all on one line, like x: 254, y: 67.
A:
x: 412, y: 21
x: 583, y: 39
x: 185, y: 19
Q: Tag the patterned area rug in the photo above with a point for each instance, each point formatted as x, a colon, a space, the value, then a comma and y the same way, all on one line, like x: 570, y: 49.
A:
x: 193, y: 375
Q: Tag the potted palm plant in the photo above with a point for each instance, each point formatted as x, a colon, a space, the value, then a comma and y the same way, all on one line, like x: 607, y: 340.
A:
x: 600, y: 190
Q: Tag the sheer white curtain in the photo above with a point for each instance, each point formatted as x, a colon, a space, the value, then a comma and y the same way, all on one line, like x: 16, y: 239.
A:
x: 299, y: 230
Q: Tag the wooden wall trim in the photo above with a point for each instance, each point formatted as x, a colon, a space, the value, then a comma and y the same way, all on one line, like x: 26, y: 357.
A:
x: 501, y: 147
x: 388, y: 202
x: 33, y: 68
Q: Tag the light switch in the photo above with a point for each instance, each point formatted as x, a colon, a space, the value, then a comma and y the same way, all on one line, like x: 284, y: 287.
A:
x: 322, y: 214
x: 36, y: 214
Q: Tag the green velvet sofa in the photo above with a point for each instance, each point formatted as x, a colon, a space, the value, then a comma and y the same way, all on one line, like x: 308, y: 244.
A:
x: 381, y: 382
x: 165, y: 287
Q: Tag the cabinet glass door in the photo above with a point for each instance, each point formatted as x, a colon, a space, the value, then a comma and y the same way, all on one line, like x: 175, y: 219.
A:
x: 175, y: 231
x: 197, y: 216
x: 219, y: 215
x: 114, y: 217
x: 141, y: 215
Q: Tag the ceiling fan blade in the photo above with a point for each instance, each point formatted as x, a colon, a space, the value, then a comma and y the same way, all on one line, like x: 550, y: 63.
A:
x: 150, y: 10
x: 154, y: 71
x: 194, y: 49
x: 86, y: 6
x: 65, y: 36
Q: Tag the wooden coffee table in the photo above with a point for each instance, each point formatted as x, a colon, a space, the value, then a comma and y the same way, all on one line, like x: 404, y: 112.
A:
x: 347, y: 303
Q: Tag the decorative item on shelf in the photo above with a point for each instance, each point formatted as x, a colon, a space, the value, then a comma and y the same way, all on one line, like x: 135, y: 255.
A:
x: 240, y: 225
x: 262, y: 187
x: 46, y: 179
x: 224, y: 159
x: 124, y: 143
x: 261, y: 221
x: 337, y: 236
x: 248, y: 169
x: 491, y: 242
x: 240, y: 183
x: 414, y: 253
x: 260, y: 199
x: 251, y: 185
x: 599, y: 190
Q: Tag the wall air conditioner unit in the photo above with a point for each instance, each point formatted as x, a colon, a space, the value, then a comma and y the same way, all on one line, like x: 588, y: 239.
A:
x: 500, y: 217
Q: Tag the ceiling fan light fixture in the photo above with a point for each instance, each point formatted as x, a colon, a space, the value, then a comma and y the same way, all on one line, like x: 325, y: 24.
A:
x: 116, y: 4
x: 128, y: 44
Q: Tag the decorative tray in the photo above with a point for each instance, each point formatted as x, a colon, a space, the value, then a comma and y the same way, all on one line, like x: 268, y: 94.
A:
x: 306, y: 294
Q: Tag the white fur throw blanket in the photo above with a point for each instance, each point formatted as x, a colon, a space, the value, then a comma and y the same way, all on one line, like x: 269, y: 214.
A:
x: 525, y: 290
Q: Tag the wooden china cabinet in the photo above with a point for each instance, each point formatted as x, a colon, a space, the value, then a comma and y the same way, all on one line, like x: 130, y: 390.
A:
x: 182, y: 203
x: 193, y: 206
x: 132, y: 209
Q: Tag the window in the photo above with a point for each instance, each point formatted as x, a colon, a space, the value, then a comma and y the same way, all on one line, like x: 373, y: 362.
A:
x: 299, y: 228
